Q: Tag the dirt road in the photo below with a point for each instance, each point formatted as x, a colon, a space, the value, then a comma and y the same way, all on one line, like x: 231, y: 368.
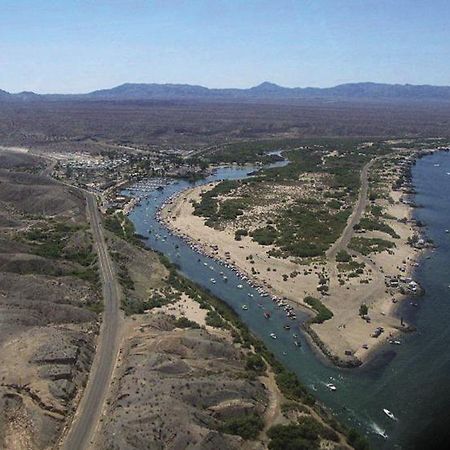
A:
x: 343, y: 241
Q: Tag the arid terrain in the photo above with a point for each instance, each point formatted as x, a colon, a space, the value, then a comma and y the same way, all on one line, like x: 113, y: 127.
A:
x: 48, y: 329
x: 188, y: 374
x: 76, y: 125
x: 184, y: 378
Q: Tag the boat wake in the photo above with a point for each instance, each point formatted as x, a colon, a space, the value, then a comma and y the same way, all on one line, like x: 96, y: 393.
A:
x: 378, y: 430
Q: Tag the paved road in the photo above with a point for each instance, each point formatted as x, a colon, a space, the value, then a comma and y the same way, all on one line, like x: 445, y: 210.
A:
x: 358, y: 211
x: 89, y: 410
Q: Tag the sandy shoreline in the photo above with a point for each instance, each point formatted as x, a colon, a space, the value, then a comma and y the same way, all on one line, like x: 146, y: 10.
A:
x: 345, y: 337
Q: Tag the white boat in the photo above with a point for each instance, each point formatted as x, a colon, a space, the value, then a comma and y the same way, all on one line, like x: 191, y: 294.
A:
x: 212, y: 280
x: 331, y: 386
x: 378, y: 430
x: 273, y: 335
x: 389, y: 414
x: 244, y: 307
x: 239, y: 286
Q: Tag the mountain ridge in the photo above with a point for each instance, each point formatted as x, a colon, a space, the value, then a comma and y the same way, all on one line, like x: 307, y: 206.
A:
x: 263, y: 91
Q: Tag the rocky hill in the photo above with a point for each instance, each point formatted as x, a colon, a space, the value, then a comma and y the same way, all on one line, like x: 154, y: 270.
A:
x: 47, y: 297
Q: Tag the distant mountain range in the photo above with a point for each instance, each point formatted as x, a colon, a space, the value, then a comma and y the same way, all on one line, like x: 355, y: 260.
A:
x: 264, y: 91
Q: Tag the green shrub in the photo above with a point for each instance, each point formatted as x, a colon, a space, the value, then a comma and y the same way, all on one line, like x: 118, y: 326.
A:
x: 323, y: 313
x: 239, y: 233
x: 367, y: 246
x: 352, y: 265
x: 334, y: 204
x: 292, y: 437
x: 376, y: 210
x: 184, y: 322
x: 377, y: 225
x: 357, y: 441
x: 132, y: 306
x: 304, y: 435
x: 256, y: 364
x: 265, y: 235
x: 248, y: 426
x: 343, y: 256
x: 363, y: 310
x: 157, y: 301
x: 291, y: 387
x: 289, y: 406
x: 213, y: 319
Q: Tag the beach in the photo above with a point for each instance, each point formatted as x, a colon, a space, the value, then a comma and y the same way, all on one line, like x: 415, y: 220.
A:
x: 347, y: 338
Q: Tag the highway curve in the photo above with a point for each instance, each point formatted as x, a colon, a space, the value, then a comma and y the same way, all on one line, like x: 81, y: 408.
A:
x: 87, y: 416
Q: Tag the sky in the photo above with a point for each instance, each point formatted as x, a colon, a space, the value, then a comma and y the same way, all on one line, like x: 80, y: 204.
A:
x: 75, y: 46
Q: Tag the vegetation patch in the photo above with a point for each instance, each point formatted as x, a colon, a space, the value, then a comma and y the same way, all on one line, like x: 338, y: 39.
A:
x: 265, y: 236
x: 307, y: 226
x: 213, y: 319
x: 291, y: 387
x: 248, y: 426
x: 376, y: 225
x: 366, y: 246
x: 363, y: 310
x: 307, y: 434
x: 343, y: 256
x: 183, y: 322
x: 70, y: 242
x: 239, y: 233
x: 354, y: 267
x: 255, y: 364
x: 119, y: 224
x: 323, y: 313
x: 249, y: 152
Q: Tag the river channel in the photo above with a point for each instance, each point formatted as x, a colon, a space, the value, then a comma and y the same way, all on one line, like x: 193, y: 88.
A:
x: 411, y: 381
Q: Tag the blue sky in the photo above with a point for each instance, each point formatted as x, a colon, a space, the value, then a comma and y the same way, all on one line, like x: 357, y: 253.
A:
x: 82, y: 45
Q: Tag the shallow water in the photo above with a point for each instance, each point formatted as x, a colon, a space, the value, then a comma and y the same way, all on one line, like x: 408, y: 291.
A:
x: 411, y: 380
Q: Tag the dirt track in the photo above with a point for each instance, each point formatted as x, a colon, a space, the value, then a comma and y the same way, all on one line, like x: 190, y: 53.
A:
x: 360, y: 206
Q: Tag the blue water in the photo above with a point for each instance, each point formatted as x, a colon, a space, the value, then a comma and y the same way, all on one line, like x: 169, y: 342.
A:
x: 412, y: 381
